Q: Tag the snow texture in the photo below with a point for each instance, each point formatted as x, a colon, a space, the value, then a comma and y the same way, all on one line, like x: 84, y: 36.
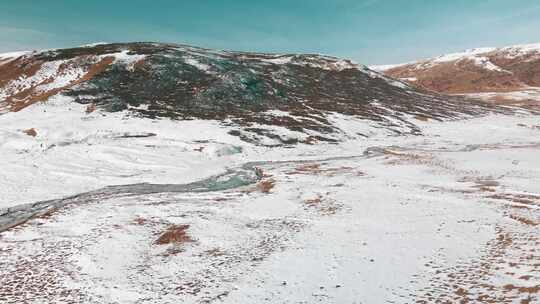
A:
x: 398, y: 219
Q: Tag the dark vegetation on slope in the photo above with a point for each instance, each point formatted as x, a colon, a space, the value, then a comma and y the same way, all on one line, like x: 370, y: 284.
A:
x: 183, y: 82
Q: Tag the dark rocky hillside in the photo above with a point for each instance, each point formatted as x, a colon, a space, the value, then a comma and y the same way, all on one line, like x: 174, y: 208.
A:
x: 242, y: 89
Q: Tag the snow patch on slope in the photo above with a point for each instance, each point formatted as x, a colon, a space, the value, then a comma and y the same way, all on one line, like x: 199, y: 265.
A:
x: 76, y: 152
x: 521, y: 95
x: 323, y: 62
x: 485, y: 63
x: 392, y: 81
x: 12, y: 55
x: 51, y: 75
x: 462, y: 55
x: 477, y: 56
x: 521, y: 50
x: 94, y: 44
x: 60, y: 73
x: 126, y: 58
x: 480, y: 56
x: 278, y: 60
x: 196, y: 63
x: 386, y: 67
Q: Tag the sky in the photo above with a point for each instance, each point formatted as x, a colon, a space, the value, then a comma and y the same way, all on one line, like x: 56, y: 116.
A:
x: 367, y: 31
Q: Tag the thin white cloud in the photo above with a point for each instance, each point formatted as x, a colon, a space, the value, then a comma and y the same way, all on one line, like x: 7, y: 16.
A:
x: 19, y: 39
x: 8, y: 30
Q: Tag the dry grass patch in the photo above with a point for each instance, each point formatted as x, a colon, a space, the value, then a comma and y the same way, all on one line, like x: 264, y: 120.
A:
x: 323, y: 205
x: 524, y: 220
x: 307, y: 169
x: 316, y: 169
x: 29, y: 96
x: 471, y: 281
x: 266, y: 185
x: 525, y: 199
x: 175, y: 234
x: 397, y: 158
x: 530, y: 290
x: 151, y: 222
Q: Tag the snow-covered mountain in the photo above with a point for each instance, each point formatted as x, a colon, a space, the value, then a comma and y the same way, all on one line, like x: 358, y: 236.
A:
x: 258, y: 93
x: 506, y: 75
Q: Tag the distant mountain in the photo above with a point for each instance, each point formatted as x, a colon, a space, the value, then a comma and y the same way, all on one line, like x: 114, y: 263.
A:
x: 249, y: 90
x: 508, y: 74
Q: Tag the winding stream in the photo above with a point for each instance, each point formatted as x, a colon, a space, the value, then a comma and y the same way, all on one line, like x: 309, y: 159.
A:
x: 243, y: 175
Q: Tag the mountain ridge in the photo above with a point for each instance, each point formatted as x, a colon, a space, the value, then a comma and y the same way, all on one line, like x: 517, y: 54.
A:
x: 242, y: 89
x: 502, y: 75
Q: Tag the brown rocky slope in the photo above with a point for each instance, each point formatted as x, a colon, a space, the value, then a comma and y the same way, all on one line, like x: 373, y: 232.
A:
x: 502, y: 75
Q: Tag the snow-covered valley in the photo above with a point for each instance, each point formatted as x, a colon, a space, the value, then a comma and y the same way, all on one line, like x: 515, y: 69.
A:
x: 450, y: 215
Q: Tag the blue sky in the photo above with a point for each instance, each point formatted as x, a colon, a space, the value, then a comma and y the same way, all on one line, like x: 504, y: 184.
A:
x: 368, y: 31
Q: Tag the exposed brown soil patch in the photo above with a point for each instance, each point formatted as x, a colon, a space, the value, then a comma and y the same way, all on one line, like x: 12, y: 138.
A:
x: 309, y: 168
x: 470, y: 281
x: 48, y: 214
x: 38, y: 277
x: 525, y: 199
x: 30, y: 132
x: 174, y: 234
x: 29, y: 96
x: 266, y: 185
x: 406, y: 157
x: 20, y: 68
x: 458, y: 78
x: 525, y: 67
x: 524, y: 220
x: 533, y: 289
x: 139, y: 64
x: 90, y: 108
x: 323, y: 205
x: 486, y: 183
x: 483, y: 184
x: 316, y: 169
x: 140, y: 221
x: 466, y: 76
x: 17, y: 69
x: 508, y: 255
x: 315, y: 201
x: 421, y: 118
